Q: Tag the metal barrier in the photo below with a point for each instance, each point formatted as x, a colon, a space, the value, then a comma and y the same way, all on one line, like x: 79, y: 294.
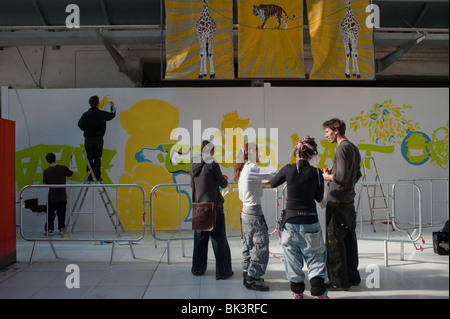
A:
x: 431, y: 182
x: 151, y: 225
x: 95, y: 237
x: 392, y: 218
x: 181, y: 237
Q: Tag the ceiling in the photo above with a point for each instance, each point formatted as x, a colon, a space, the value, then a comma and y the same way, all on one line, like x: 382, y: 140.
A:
x: 139, y: 22
x: 394, y: 13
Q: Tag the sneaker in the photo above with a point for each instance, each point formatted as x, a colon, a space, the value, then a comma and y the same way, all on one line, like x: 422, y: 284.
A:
x: 323, y: 296
x: 49, y: 232
x: 62, y: 230
x: 255, y: 284
x: 245, y: 278
x: 297, y: 296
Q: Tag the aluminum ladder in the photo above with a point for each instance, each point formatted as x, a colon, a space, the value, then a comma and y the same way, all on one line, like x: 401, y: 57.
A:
x: 378, y: 201
x: 106, y: 200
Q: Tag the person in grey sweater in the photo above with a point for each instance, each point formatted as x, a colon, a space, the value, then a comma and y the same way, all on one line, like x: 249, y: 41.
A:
x: 342, y: 248
x: 207, y: 176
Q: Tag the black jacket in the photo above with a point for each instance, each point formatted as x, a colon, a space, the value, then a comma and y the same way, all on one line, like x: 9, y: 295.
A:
x: 93, y: 121
x: 207, y: 178
x: 303, y: 188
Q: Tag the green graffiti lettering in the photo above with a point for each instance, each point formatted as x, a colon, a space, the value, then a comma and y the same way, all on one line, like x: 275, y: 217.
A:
x: 172, y: 163
x: 328, y: 153
x: 329, y: 150
x: 369, y: 148
x: 439, y: 147
x: 30, y: 163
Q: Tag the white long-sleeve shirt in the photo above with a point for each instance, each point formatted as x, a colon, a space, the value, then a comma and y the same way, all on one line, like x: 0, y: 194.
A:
x: 250, y: 184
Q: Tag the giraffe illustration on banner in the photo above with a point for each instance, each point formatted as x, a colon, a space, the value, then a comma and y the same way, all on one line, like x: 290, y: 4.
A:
x: 206, y: 33
x: 350, y: 28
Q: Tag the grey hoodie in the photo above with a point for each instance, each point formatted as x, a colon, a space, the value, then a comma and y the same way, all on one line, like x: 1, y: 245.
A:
x: 207, y: 177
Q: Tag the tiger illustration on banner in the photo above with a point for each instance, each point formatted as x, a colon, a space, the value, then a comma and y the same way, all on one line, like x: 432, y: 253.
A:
x: 265, y: 48
x: 265, y: 11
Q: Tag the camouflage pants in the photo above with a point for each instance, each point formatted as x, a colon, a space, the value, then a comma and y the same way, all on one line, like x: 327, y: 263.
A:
x: 255, y: 239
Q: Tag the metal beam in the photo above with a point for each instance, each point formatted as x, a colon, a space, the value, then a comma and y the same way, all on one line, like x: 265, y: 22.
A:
x: 38, y: 8
x: 120, y: 61
x: 126, y: 37
x: 105, y: 11
x: 386, y: 61
x: 151, y: 35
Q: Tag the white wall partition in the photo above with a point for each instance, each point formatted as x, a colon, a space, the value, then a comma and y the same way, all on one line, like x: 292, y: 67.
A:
x: 405, y: 130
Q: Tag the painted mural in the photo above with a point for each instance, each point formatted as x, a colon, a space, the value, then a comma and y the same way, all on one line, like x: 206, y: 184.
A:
x: 144, y: 146
x: 388, y: 124
x: 150, y: 160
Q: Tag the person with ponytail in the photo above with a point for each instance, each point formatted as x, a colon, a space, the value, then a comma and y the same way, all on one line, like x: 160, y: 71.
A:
x: 255, y: 235
x: 301, y: 234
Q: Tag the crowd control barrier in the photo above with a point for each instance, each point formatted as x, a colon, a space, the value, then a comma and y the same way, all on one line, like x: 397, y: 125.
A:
x: 113, y: 236
x: 182, y: 236
x: 392, y: 218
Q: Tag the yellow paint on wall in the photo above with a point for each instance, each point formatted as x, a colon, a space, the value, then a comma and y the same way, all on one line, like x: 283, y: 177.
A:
x: 149, y: 123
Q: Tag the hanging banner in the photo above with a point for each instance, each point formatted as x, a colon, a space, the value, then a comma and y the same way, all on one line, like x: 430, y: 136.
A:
x: 341, y: 43
x: 270, y: 39
x: 199, y: 39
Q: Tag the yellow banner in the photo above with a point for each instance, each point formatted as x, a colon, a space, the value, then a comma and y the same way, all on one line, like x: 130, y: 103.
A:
x: 341, y: 43
x: 199, y: 39
x: 270, y: 39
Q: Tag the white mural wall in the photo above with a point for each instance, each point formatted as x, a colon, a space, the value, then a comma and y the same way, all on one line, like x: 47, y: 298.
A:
x: 405, y: 130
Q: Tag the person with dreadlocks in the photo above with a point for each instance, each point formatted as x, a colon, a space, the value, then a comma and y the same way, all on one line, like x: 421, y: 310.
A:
x: 301, y: 234
x: 255, y: 234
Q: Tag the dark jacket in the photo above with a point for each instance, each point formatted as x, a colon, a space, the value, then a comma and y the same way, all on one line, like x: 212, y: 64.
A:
x: 56, y: 175
x: 207, y: 177
x: 346, y: 173
x: 303, y: 189
x: 93, y: 121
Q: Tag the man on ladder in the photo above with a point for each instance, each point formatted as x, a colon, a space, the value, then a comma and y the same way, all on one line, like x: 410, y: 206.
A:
x: 93, y: 124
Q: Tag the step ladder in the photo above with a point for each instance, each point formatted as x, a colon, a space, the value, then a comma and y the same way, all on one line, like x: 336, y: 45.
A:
x: 378, y: 201
x: 106, y: 200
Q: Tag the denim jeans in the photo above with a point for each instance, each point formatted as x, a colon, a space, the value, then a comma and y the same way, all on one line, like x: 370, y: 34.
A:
x: 220, y: 247
x: 303, y: 243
